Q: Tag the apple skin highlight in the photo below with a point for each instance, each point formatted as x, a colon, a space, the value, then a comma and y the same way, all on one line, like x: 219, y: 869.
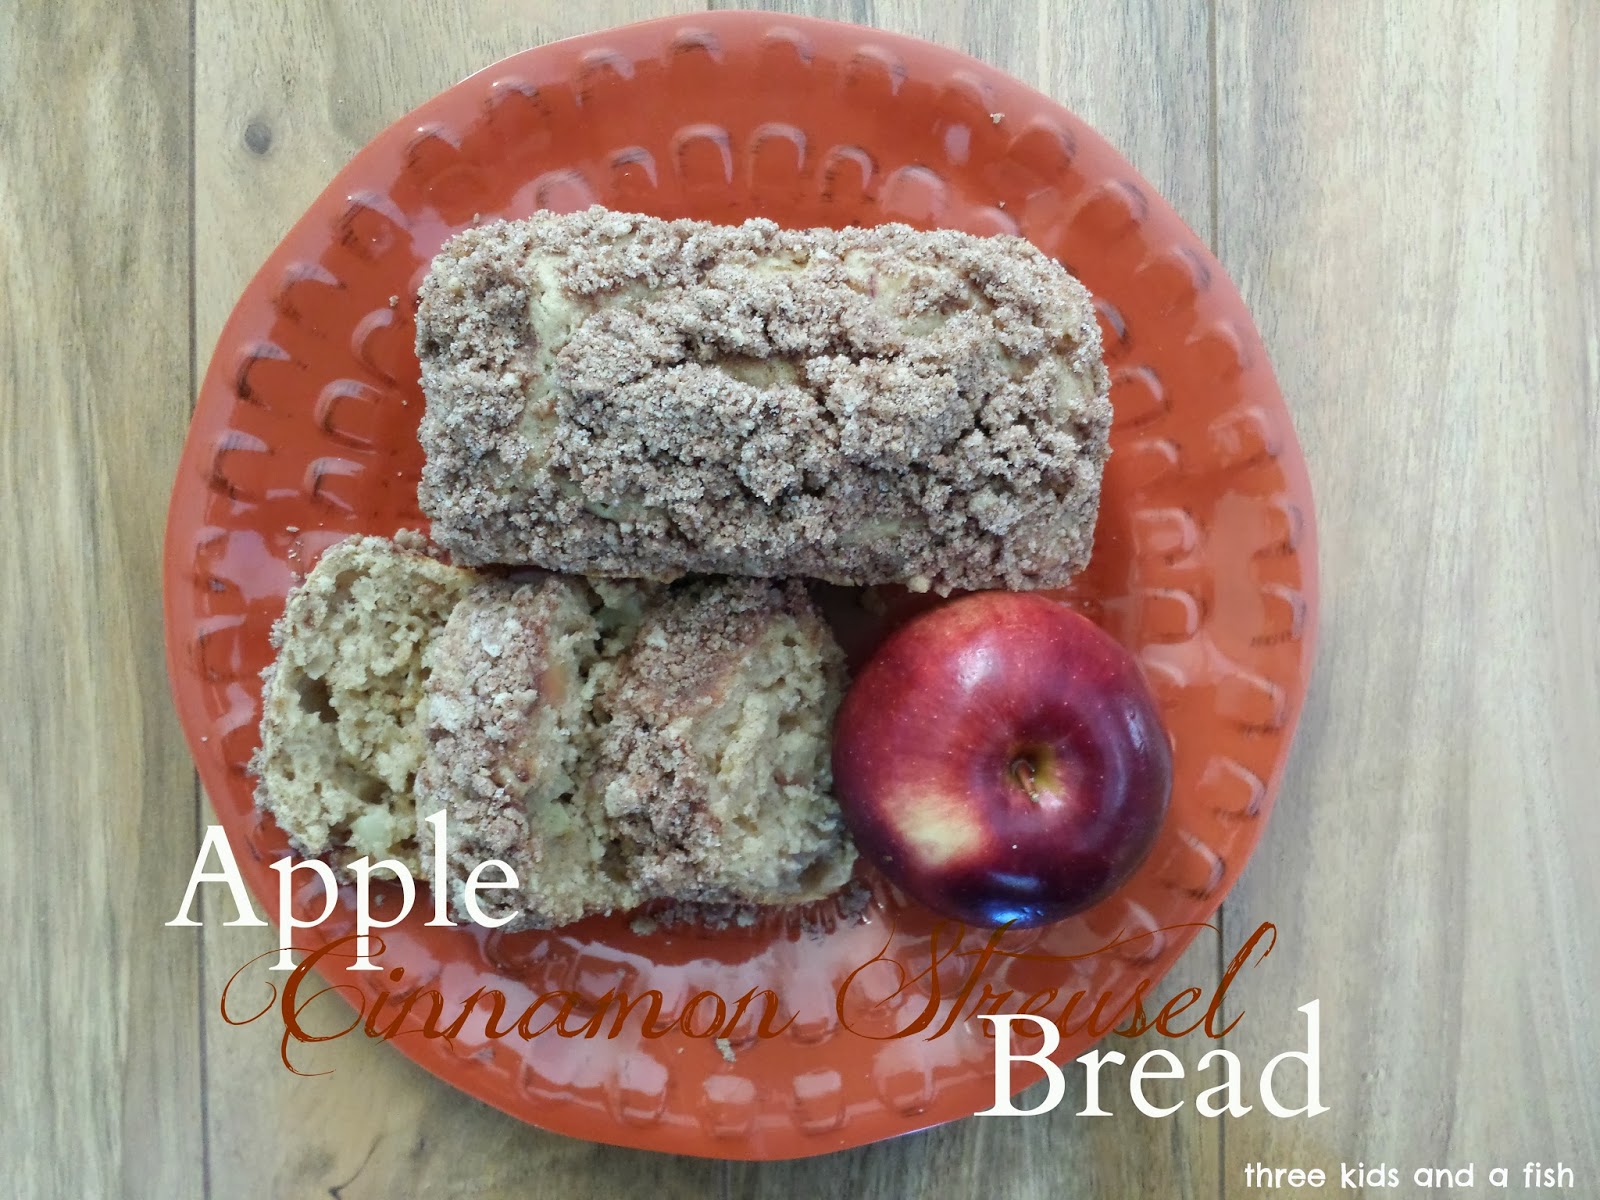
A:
x: 1001, y: 760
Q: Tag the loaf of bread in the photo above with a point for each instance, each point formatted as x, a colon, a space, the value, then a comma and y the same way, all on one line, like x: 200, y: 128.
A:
x: 613, y: 394
x: 615, y: 743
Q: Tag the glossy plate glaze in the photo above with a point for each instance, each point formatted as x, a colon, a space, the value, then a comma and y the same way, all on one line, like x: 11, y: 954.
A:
x: 305, y: 431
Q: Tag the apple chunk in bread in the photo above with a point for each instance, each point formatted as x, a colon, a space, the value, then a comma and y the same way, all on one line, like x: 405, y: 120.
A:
x: 1001, y: 760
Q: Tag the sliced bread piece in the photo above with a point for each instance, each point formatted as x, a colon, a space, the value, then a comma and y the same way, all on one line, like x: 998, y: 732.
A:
x: 340, y: 733
x: 713, y: 754
x: 509, y: 748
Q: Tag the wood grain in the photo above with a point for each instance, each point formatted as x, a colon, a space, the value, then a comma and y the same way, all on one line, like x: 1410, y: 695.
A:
x: 99, y: 1037
x: 1423, y: 265
x: 1408, y: 196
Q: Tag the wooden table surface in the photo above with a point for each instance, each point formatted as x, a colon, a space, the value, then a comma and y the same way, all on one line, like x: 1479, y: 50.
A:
x: 1407, y: 194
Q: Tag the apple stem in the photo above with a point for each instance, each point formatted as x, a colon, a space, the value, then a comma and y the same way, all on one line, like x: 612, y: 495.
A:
x: 1023, y: 770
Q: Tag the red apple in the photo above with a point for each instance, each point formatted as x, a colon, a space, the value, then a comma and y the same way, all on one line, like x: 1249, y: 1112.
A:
x: 1001, y: 760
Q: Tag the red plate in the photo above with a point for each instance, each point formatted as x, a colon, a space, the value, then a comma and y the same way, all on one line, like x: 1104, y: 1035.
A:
x: 305, y: 431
